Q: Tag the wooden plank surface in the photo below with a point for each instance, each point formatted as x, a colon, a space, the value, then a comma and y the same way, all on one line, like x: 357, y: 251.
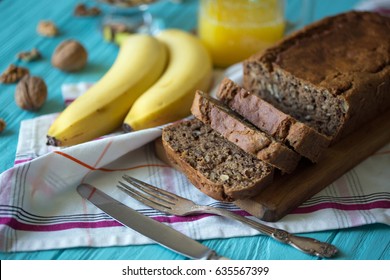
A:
x: 289, y: 191
x: 360, y: 243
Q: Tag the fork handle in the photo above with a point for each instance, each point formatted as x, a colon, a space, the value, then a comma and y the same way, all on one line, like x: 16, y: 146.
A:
x: 305, y: 244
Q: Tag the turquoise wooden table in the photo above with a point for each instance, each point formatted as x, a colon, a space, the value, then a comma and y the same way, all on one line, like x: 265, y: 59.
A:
x: 18, y: 21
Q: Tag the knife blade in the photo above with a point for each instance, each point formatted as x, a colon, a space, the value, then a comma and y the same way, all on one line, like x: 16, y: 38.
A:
x: 161, y: 233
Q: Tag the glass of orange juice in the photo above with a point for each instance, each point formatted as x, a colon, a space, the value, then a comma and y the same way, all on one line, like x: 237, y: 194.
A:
x: 233, y: 30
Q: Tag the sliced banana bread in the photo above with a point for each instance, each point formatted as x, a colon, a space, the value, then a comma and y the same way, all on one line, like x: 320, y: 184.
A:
x: 243, y: 134
x: 333, y: 75
x: 303, y: 139
x: 213, y: 164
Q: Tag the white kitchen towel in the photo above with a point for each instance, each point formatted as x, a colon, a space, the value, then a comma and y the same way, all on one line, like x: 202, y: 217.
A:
x: 379, y: 6
x: 40, y: 208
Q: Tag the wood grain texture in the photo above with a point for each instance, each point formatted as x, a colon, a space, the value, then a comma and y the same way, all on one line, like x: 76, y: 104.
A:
x: 289, y: 191
x: 370, y: 242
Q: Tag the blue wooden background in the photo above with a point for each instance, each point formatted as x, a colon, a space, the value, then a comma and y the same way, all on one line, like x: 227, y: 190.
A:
x: 18, y: 21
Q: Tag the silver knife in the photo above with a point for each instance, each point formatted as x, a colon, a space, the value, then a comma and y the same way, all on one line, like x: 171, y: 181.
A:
x: 156, y: 231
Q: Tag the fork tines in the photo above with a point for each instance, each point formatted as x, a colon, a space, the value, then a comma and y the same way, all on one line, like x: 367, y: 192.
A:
x: 147, y: 194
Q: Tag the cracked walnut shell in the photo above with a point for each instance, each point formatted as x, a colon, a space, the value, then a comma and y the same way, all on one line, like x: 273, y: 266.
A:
x: 13, y: 74
x: 69, y: 56
x: 30, y: 93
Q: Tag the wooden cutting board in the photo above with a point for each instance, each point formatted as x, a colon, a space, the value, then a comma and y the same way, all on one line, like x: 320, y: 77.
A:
x: 287, y: 192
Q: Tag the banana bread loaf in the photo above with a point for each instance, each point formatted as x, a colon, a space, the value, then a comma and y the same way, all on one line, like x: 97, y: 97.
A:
x: 241, y: 133
x: 302, y: 138
x: 333, y: 75
x: 213, y: 164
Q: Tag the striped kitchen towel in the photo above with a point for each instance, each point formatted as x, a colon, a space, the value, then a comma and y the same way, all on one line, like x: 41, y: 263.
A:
x: 40, y: 208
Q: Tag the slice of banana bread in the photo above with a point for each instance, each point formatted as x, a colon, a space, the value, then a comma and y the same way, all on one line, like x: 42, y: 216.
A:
x: 213, y: 164
x: 333, y: 75
x: 243, y: 134
x: 303, y: 139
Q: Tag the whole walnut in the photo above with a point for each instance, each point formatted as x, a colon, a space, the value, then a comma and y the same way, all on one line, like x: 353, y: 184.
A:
x: 69, y: 56
x: 30, y: 93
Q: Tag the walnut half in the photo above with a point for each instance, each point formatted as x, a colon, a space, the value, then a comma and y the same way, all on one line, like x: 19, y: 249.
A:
x: 13, y: 74
x: 47, y: 28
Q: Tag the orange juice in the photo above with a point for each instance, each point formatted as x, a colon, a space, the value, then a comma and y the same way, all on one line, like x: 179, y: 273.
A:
x: 233, y: 30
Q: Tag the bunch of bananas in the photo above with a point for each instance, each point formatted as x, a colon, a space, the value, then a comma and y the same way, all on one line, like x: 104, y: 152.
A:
x: 152, y: 82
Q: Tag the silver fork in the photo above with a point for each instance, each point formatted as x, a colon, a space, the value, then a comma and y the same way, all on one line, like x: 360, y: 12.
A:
x: 176, y: 205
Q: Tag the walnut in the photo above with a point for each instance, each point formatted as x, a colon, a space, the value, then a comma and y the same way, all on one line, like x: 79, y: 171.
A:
x: 13, y: 74
x: 224, y: 177
x: 128, y: 3
x: 81, y: 10
x: 47, y: 28
x: 31, y: 93
x: 69, y: 56
x: 27, y: 56
x: 2, y: 125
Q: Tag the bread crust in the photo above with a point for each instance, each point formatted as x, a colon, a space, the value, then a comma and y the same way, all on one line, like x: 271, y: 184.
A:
x: 241, y: 133
x: 303, y: 139
x: 333, y: 75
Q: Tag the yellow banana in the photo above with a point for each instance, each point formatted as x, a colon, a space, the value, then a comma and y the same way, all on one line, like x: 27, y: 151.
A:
x: 170, y: 98
x: 102, y: 108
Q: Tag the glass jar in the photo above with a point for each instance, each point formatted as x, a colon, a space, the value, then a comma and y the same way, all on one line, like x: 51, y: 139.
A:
x: 233, y: 30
